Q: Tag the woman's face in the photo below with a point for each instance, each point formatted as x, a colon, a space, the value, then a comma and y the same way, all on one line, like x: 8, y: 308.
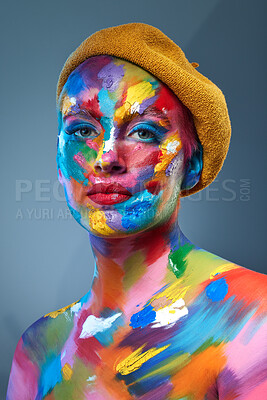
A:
x: 120, y: 156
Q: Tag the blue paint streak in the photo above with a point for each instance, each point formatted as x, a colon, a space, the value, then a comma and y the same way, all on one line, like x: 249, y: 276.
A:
x: 75, y: 84
x: 51, y: 375
x: 141, y: 388
x: 106, y: 103
x: 106, y: 337
x: 134, y: 212
x: 217, y: 290
x: 206, y: 322
x: 143, y: 317
x: 76, y: 215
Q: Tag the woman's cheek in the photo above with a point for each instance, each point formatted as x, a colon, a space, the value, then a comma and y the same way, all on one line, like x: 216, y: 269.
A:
x: 77, y: 193
x: 78, y: 160
x: 169, y: 151
x: 141, y: 155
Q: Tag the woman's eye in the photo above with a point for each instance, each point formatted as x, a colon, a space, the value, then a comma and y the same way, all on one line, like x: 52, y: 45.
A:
x: 83, y: 132
x: 144, y: 135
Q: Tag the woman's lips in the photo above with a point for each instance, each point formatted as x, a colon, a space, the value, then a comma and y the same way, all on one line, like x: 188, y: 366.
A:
x: 106, y: 194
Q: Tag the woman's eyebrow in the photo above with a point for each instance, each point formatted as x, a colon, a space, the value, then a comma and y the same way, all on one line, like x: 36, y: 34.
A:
x: 148, y: 113
x: 83, y: 113
x: 160, y: 114
x: 154, y: 112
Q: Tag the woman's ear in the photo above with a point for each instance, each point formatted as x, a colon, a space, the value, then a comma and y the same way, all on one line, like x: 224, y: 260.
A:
x: 193, y: 169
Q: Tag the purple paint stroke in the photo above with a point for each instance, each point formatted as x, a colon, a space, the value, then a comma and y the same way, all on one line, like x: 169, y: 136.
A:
x: 159, y: 393
x: 151, y: 336
x: 228, y: 384
x: 113, y: 219
x: 111, y: 75
x: 173, y: 164
x: 146, y: 103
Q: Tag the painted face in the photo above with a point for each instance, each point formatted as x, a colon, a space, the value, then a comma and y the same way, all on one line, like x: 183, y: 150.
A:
x: 120, y: 155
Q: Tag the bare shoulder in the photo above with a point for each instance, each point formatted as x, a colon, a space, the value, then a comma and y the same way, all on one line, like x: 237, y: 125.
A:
x: 240, y: 282
x: 247, y: 285
x: 238, y: 295
x: 41, y: 343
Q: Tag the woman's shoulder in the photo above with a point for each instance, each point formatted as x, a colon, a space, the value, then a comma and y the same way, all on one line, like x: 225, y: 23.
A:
x: 233, y: 303
x: 220, y: 280
x: 38, y: 349
x: 241, y: 282
x: 215, y: 267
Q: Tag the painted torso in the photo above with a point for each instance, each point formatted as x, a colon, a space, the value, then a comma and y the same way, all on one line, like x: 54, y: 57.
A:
x: 204, y: 336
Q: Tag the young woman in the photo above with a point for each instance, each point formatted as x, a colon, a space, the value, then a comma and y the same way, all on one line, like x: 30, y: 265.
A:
x: 163, y: 319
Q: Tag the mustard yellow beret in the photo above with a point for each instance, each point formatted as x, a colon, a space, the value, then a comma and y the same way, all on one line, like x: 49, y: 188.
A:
x: 149, y: 48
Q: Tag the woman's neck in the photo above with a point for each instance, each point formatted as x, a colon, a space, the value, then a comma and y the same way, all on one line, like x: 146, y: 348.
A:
x: 130, y: 270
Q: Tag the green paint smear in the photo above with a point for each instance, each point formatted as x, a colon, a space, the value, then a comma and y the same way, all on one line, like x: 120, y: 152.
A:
x: 209, y: 342
x: 46, y: 338
x: 134, y: 268
x: 89, y: 154
x: 177, y: 262
x: 75, y: 387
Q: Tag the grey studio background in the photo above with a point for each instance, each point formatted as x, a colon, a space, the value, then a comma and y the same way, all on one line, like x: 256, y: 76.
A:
x: 46, y: 261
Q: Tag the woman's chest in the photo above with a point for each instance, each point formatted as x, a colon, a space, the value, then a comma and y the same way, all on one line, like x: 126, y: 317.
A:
x: 141, y: 371
x: 144, y: 361
x: 174, y: 352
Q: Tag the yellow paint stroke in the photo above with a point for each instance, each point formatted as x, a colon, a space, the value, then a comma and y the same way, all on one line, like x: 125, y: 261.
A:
x: 137, y: 359
x: 223, y: 268
x: 140, y: 92
x: 67, y: 372
x: 173, y: 292
x: 135, y: 94
x: 169, y: 149
x: 97, y: 221
x: 66, y: 104
x: 54, y: 314
x: 201, y: 266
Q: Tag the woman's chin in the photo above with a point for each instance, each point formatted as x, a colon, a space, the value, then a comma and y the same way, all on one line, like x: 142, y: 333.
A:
x: 128, y: 218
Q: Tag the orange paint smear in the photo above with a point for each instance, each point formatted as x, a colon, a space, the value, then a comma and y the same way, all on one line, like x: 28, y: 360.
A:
x: 196, y: 378
x: 111, y: 357
x: 112, y: 294
x: 245, y: 285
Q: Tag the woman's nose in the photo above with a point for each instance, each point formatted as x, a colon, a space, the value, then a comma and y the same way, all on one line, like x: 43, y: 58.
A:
x: 110, y: 163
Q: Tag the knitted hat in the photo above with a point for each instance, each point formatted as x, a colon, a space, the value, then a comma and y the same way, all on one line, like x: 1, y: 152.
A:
x: 149, y: 48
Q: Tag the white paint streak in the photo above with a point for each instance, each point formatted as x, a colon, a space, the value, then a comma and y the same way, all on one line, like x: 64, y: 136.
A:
x: 172, y: 146
x: 91, y: 378
x: 73, y: 101
x: 110, y: 143
x: 92, y: 325
x: 169, y: 315
x: 61, y: 143
x: 76, y: 307
x: 135, y: 107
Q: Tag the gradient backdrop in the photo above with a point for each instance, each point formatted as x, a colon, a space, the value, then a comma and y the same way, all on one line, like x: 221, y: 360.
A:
x: 46, y: 261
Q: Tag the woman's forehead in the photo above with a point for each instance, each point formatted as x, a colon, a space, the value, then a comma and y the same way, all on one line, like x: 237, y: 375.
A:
x: 108, y: 72
x: 110, y: 86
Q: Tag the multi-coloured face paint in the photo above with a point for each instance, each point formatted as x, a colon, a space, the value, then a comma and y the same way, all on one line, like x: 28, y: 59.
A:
x: 120, y: 154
